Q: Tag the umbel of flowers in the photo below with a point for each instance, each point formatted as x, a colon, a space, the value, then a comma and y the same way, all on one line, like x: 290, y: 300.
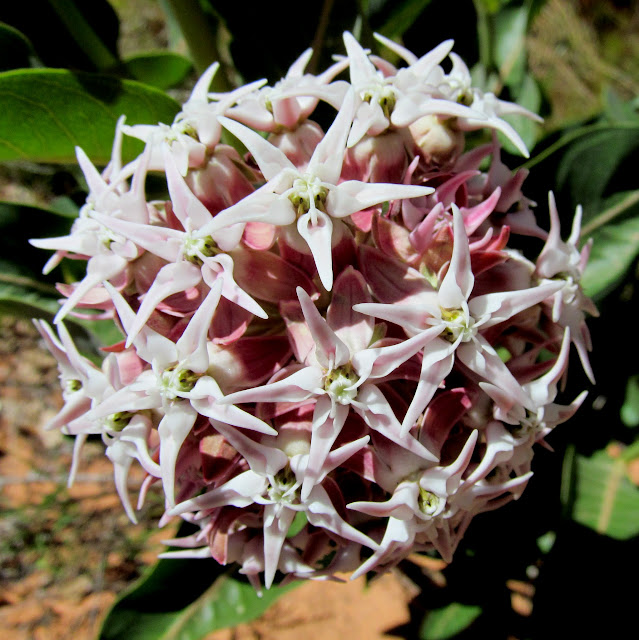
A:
x: 332, y: 358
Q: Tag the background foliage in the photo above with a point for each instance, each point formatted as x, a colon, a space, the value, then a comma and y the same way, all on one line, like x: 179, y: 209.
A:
x: 64, y: 81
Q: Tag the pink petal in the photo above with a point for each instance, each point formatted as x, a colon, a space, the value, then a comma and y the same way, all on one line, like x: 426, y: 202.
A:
x: 353, y: 328
x: 172, y: 278
x: 330, y: 351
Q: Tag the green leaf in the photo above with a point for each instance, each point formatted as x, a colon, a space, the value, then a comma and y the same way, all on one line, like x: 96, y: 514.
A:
x: 589, y: 164
x: 448, y: 621
x: 602, y: 496
x: 185, y: 600
x: 64, y: 206
x: 402, y: 17
x: 509, y: 29
x: 630, y: 406
x: 71, y: 34
x: 491, y: 6
x: 81, y: 30
x: 15, y: 49
x: 47, y: 112
x: 23, y: 295
x: 618, y: 110
x: 614, y: 249
x: 161, y: 69
x: 24, y: 291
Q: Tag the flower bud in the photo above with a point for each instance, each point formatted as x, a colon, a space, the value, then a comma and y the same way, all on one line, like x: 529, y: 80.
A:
x: 438, y: 141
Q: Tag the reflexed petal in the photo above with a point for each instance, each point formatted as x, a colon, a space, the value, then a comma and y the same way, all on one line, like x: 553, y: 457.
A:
x: 318, y: 236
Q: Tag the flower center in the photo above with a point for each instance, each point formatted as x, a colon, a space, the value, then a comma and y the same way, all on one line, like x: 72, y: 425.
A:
x: 527, y: 425
x: 307, y: 192
x: 195, y: 249
x: 571, y: 287
x: 458, y: 322
x: 282, y: 486
x: 117, y: 421
x: 428, y: 502
x: 175, y: 381
x: 71, y: 386
x: 381, y: 93
x: 184, y: 127
x: 340, y: 383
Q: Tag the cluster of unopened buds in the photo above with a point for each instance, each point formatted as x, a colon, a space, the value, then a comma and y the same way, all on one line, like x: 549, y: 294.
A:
x: 332, y: 358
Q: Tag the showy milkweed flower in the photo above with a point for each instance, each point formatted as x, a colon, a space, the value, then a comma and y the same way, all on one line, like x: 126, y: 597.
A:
x: 331, y: 357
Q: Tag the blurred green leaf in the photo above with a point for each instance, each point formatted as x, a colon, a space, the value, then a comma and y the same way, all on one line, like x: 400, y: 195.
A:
x: 618, y: 110
x: 491, y: 6
x: 200, y: 599
x: 15, y: 49
x: 72, y: 34
x: 546, y: 541
x: 18, y: 224
x: 509, y: 33
x: 47, y: 112
x: 64, y: 206
x: 615, y: 246
x: 23, y: 295
x: 590, y: 162
x: 602, y: 496
x: 448, y: 621
x: 630, y: 407
x: 24, y: 291
x: 160, y: 69
x: 81, y: 30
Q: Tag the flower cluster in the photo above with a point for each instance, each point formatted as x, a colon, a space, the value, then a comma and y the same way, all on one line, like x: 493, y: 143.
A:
x: 332, y: 358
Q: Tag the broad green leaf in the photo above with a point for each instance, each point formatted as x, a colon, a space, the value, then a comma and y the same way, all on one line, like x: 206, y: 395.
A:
x: 630, y: 407
x: 185, y: 600
x: 448, y: 621
x: 589, y: 164
x: 615, y: 247
x: 161, y: 69
x: 603, y: 498
x: 47, y: 112
x: 15, y: 49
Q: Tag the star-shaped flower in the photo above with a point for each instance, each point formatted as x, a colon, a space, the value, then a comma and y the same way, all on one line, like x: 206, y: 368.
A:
x: 460, y: 321
x: 314, y: 201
